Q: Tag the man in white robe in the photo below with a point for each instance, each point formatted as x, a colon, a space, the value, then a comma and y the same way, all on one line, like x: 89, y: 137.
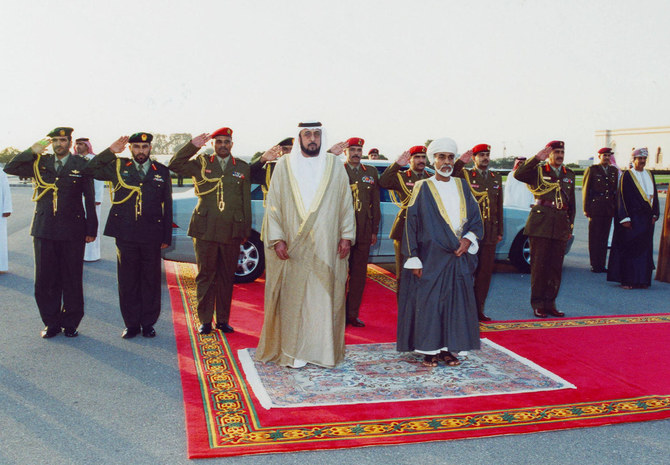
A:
x: 5, y: 211
x: 308, y: 229
x: 84, y: 149
x: 516, y: 194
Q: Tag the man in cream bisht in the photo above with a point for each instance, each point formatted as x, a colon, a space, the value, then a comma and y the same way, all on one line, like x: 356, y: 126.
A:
x: 308, y: 230
x: 437, y: 313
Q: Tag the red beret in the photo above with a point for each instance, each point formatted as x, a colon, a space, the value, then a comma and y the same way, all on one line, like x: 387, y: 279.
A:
x: 417, y: 150
x: 481, y: 148
x: 556, y: 144
x: 355, y: 141
x: 222, y: 132
x: 605, y: 150
x: 373, y: 151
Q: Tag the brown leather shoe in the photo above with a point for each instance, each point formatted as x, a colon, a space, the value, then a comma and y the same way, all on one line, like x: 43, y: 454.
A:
x: 538, y: 312
x: 554, y: 312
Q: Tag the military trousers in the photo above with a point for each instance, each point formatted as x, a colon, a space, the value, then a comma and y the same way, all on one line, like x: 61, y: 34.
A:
x: 138, y: 266
x: 217, y: 263
x: 599, y: 231
x: 546, y: 268
x: 486, y: 261
x: 358, y: 271
x: 59, y: 291
x: 399, y: 261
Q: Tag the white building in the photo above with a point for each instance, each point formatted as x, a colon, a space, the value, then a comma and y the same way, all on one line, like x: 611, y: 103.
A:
x: 624, y: 141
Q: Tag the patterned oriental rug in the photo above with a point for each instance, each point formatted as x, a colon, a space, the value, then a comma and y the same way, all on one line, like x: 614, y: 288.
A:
x: 567, y: 373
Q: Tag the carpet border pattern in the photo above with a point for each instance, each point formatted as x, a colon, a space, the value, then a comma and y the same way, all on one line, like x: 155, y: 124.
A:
x: 232, y: 421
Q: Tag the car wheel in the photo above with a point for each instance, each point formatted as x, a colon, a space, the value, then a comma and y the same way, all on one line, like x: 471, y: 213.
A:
x: 519, y: 253
x: 251, y: 263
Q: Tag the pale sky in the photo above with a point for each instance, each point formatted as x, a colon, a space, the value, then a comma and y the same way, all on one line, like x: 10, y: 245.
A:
x: 513, y: 74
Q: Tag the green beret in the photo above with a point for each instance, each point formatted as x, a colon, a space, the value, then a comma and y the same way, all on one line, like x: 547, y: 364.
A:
x: 61, y: 132
x: 141, y: 137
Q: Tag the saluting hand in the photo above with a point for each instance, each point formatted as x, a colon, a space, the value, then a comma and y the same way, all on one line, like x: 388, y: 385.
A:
x: 119, y: 145
x: 403, y: 159
x: 201, y: 140
x: 281, y: 250
x: 343, y: 248
x: 544, y: 153
x: 466, y: 157
x: 338, y: 148
x: 271, y: 154
x: 40, y: 146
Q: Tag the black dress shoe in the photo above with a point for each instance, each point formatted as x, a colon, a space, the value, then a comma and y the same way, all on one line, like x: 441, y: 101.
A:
x: 554, y: 312
x: 50, y: 331
x: 70, y: 332
x: 130, y: 333
x: 148, y: 331
x: 538, y: 312
x: 225, y: 327
x: 356, y: 322
x: 483, y: 317
x: 205, y: 328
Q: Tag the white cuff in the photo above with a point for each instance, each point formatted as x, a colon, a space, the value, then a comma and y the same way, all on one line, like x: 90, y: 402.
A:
x: 625, y: 220
x: 474, y: 246
x: 413, y: 263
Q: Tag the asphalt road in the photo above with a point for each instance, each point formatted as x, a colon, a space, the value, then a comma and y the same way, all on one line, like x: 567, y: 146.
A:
x: 99, y: 399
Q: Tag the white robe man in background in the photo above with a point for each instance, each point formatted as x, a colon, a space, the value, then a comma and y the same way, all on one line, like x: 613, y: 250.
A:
x: 516, y: 194
x: 5, y: 211
x: 92, y: 252
x: 308, y: 229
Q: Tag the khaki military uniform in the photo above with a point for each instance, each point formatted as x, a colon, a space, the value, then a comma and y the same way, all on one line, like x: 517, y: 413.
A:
x: 59, y: 229
x: 364, y: 183
x: 599, y: 198
x: 401, y: 183
x: 221, y: 221
x: 549, y: 227
x: 140, y: 220
x: 487, y: 189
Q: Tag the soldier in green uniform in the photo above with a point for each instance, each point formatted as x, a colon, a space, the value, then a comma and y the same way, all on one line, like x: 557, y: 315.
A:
x: 261, y: 167
x: 221, y: 221
x: 487, y: 188
x: 599, y: 196
x: 61, y: 227
x: 374, y: 154
x: 364, y: 182
x: 401, y: 184
x: 550, y: 223
x: 141, y: 222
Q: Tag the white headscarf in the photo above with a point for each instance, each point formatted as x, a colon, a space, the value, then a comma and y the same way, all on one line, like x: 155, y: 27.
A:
x: 308, y: 171
x: 445, y: 144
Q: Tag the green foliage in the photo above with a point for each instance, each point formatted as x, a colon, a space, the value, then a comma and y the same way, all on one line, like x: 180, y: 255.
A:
x: 163, y: 144
x: 8, y: 153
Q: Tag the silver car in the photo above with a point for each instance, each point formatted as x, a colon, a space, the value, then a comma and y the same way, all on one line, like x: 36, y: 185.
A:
x: 251, y: 265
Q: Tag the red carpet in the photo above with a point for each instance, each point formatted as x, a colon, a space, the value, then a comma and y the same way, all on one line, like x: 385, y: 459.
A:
x: 618, y: 364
